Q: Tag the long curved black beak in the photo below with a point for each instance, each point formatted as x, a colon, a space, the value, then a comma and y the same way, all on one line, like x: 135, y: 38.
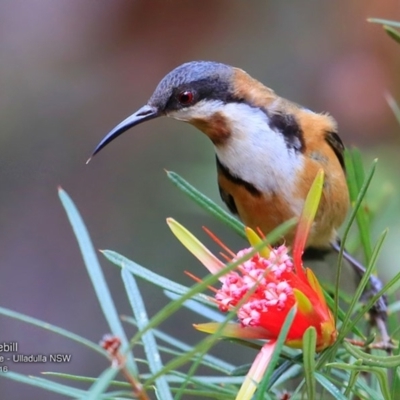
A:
x: 143, y: 114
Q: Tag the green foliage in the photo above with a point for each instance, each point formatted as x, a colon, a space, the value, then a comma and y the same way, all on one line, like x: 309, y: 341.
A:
x: 358, y: 186
x: 309, y: 344
x: 206, y: 203
x: 336, y: 371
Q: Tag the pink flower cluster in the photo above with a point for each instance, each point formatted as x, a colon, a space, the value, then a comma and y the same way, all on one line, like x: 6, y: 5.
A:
x: 260, y: 279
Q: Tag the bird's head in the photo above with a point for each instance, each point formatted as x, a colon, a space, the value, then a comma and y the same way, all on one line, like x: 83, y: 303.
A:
x: 195, y: 92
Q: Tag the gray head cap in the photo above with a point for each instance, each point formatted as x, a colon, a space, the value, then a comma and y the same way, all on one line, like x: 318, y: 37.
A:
x: 207, y: 77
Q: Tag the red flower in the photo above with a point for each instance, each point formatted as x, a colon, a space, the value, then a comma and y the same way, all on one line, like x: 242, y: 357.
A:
x: 264, y: 288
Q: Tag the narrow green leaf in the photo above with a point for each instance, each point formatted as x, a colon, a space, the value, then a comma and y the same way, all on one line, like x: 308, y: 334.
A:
x: 309, y: 344
x: 264, y: 384
x: 150, y: 345
x: 96, y: 274
x: 202, y: 349
x: 287, y: 370
x: 360, y: 289
x: 213, y: 385
x: 211, y: 314
x: 352, y: 380
x: 371, y: 359
x: 395, y: 389
x: 189, y: 378
x: 358, y: 166
x: 86, y: 379
x: 176, y: 378
x: 144, y: 273
x: 382, y: 376
x: 53, y: 328
x: 44, y: 384
x: 380, y: 373
x: 117, y: 395
x: 329, y: 386
x: 350, y: 321
x: 381, y: 21
x: 393, y: 33
x: 195, y: 354
x: 362, y: 388
x: 101, y: 384
x: 356, y: 180
x: 210, y: 360
x: 393, y: 282
x: 353, y: 215
x: 341, y: 314
x: 392, y: 286
x: 206, y: 203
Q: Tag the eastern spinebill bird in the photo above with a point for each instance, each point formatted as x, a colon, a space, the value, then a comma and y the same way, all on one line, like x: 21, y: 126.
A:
x: 268, y: 149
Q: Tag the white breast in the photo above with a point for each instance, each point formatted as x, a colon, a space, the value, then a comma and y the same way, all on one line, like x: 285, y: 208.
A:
x: 255, y: 152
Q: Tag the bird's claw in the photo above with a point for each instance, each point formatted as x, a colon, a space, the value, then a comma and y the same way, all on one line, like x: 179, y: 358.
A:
x: 380, y: 307
x: 378, y: 313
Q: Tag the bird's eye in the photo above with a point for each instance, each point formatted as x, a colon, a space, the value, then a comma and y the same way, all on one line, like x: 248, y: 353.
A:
x: 185, y: 98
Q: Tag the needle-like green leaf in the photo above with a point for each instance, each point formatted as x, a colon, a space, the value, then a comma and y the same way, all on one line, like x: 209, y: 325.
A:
x: 45, y: 384
x: 101, y: 384
x: 150, y: 345
x: 52, y: 328
x: 96, y: 274
x: 393, y: 33
x: 309, y: 344
x: 206, y: 203
x: 381, y: 21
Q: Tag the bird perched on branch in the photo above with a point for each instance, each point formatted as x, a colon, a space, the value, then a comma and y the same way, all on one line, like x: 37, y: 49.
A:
x: 268, y: 149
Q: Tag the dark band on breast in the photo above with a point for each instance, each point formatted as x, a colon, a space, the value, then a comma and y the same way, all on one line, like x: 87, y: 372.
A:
x: 222, y: 169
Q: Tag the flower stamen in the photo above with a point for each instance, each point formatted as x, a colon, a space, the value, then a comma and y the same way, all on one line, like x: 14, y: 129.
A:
x: 218, y: 241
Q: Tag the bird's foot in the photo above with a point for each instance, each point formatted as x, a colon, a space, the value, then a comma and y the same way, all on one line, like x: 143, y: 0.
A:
x: 378, y: 313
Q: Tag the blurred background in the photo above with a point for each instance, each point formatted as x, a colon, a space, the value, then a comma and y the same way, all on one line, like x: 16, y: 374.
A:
x: 70, y: 71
